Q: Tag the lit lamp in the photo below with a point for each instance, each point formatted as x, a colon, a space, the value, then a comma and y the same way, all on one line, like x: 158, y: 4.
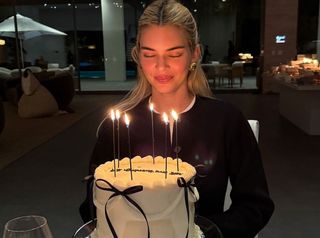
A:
x: 2, y: 42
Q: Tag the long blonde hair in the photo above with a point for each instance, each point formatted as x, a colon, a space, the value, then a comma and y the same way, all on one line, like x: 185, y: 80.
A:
x: 166, y: 12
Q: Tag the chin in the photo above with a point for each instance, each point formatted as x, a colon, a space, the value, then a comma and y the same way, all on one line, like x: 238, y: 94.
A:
x: 163, y: 89
x: 167, y: 88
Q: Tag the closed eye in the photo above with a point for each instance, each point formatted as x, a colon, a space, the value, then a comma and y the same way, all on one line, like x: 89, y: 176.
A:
x: 148, y: 55
x: 175, y: 55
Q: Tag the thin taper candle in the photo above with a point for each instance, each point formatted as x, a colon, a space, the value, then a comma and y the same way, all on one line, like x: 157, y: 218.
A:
x: 166, y: 120
x: 118, y: 130
x: 152, y: 128
x: 127, y: 121
x: 175, y: 118
x: 114, y: 146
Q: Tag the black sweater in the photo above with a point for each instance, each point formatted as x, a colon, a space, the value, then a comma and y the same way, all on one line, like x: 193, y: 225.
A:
x: 215, y: 138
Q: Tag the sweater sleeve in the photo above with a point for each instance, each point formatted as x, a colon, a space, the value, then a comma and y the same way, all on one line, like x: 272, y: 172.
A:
x: 251, y: 206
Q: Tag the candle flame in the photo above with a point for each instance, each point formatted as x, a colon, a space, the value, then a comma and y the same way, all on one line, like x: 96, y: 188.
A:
x: 165, y: 118
x: 126, y: 119
x: 151, y: 106
x: 117, y: 114
x: 174, y: 115
x: 112, y: 115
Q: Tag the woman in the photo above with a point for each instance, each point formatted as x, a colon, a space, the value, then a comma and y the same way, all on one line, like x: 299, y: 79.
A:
x: 212, y: 135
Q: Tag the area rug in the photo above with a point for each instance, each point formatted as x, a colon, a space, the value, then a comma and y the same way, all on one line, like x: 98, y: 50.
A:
x: 21, y: 135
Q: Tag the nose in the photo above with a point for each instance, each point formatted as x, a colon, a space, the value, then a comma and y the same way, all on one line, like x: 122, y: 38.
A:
x: 161, y: 62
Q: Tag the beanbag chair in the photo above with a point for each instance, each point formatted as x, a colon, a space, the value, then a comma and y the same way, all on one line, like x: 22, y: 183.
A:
x: 36, y: 100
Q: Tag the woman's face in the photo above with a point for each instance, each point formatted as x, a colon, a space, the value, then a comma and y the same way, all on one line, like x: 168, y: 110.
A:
x: 165, y: 58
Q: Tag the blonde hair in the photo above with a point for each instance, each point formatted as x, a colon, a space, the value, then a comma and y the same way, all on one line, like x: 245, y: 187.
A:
x: 166, y: 12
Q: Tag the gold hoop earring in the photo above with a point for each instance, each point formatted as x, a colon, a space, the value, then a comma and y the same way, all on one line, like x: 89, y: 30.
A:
x: 193, y: 66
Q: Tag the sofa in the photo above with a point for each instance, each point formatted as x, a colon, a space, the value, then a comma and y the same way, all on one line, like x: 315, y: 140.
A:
x: 59, y: 82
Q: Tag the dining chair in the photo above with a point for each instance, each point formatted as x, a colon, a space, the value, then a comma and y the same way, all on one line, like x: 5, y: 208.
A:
x: 221, y: 71
x: 214, y: 62
x: 236, y: 71
x: 254, y: 124
x: 208, y: 69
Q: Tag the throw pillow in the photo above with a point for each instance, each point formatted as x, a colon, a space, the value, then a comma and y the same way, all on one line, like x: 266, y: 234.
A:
x: 34, y: 69
x: 5, y: 73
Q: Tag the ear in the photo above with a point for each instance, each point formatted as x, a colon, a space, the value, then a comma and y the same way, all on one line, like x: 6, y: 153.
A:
x: 196, y: 53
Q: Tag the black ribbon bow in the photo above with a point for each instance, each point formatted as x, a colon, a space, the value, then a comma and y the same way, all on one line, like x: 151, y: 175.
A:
x: 187, y: 187
x: 125, y: 193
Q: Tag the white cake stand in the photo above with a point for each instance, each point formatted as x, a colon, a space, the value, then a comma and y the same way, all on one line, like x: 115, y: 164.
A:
x: 209, y: 229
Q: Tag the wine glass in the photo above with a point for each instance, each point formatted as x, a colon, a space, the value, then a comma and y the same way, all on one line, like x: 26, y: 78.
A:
x: 209, y: 229
x: 86, y: 230
x: 27, y: 227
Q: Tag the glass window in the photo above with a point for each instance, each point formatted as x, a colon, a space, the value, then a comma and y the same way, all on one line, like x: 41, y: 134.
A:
x: 230, y: 38
x: 45, y: 36
x: 104, y: 44
x: 8, y: 46
x: 308, y: 17
x: 96, y: 37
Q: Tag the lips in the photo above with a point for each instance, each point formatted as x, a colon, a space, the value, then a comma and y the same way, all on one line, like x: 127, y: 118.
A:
x: 163, y: 78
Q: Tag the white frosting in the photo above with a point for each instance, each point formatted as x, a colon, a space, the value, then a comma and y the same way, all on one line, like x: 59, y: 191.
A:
x: 161, y: 199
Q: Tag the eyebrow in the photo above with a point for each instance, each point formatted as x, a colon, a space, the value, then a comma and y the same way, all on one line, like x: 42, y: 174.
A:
x: 170, y: 49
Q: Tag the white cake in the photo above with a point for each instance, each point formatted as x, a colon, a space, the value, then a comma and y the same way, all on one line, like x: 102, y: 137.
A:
x: 162, y: 200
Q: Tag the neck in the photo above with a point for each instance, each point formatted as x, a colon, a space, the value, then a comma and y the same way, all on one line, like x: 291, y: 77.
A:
x: 167, y: 102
